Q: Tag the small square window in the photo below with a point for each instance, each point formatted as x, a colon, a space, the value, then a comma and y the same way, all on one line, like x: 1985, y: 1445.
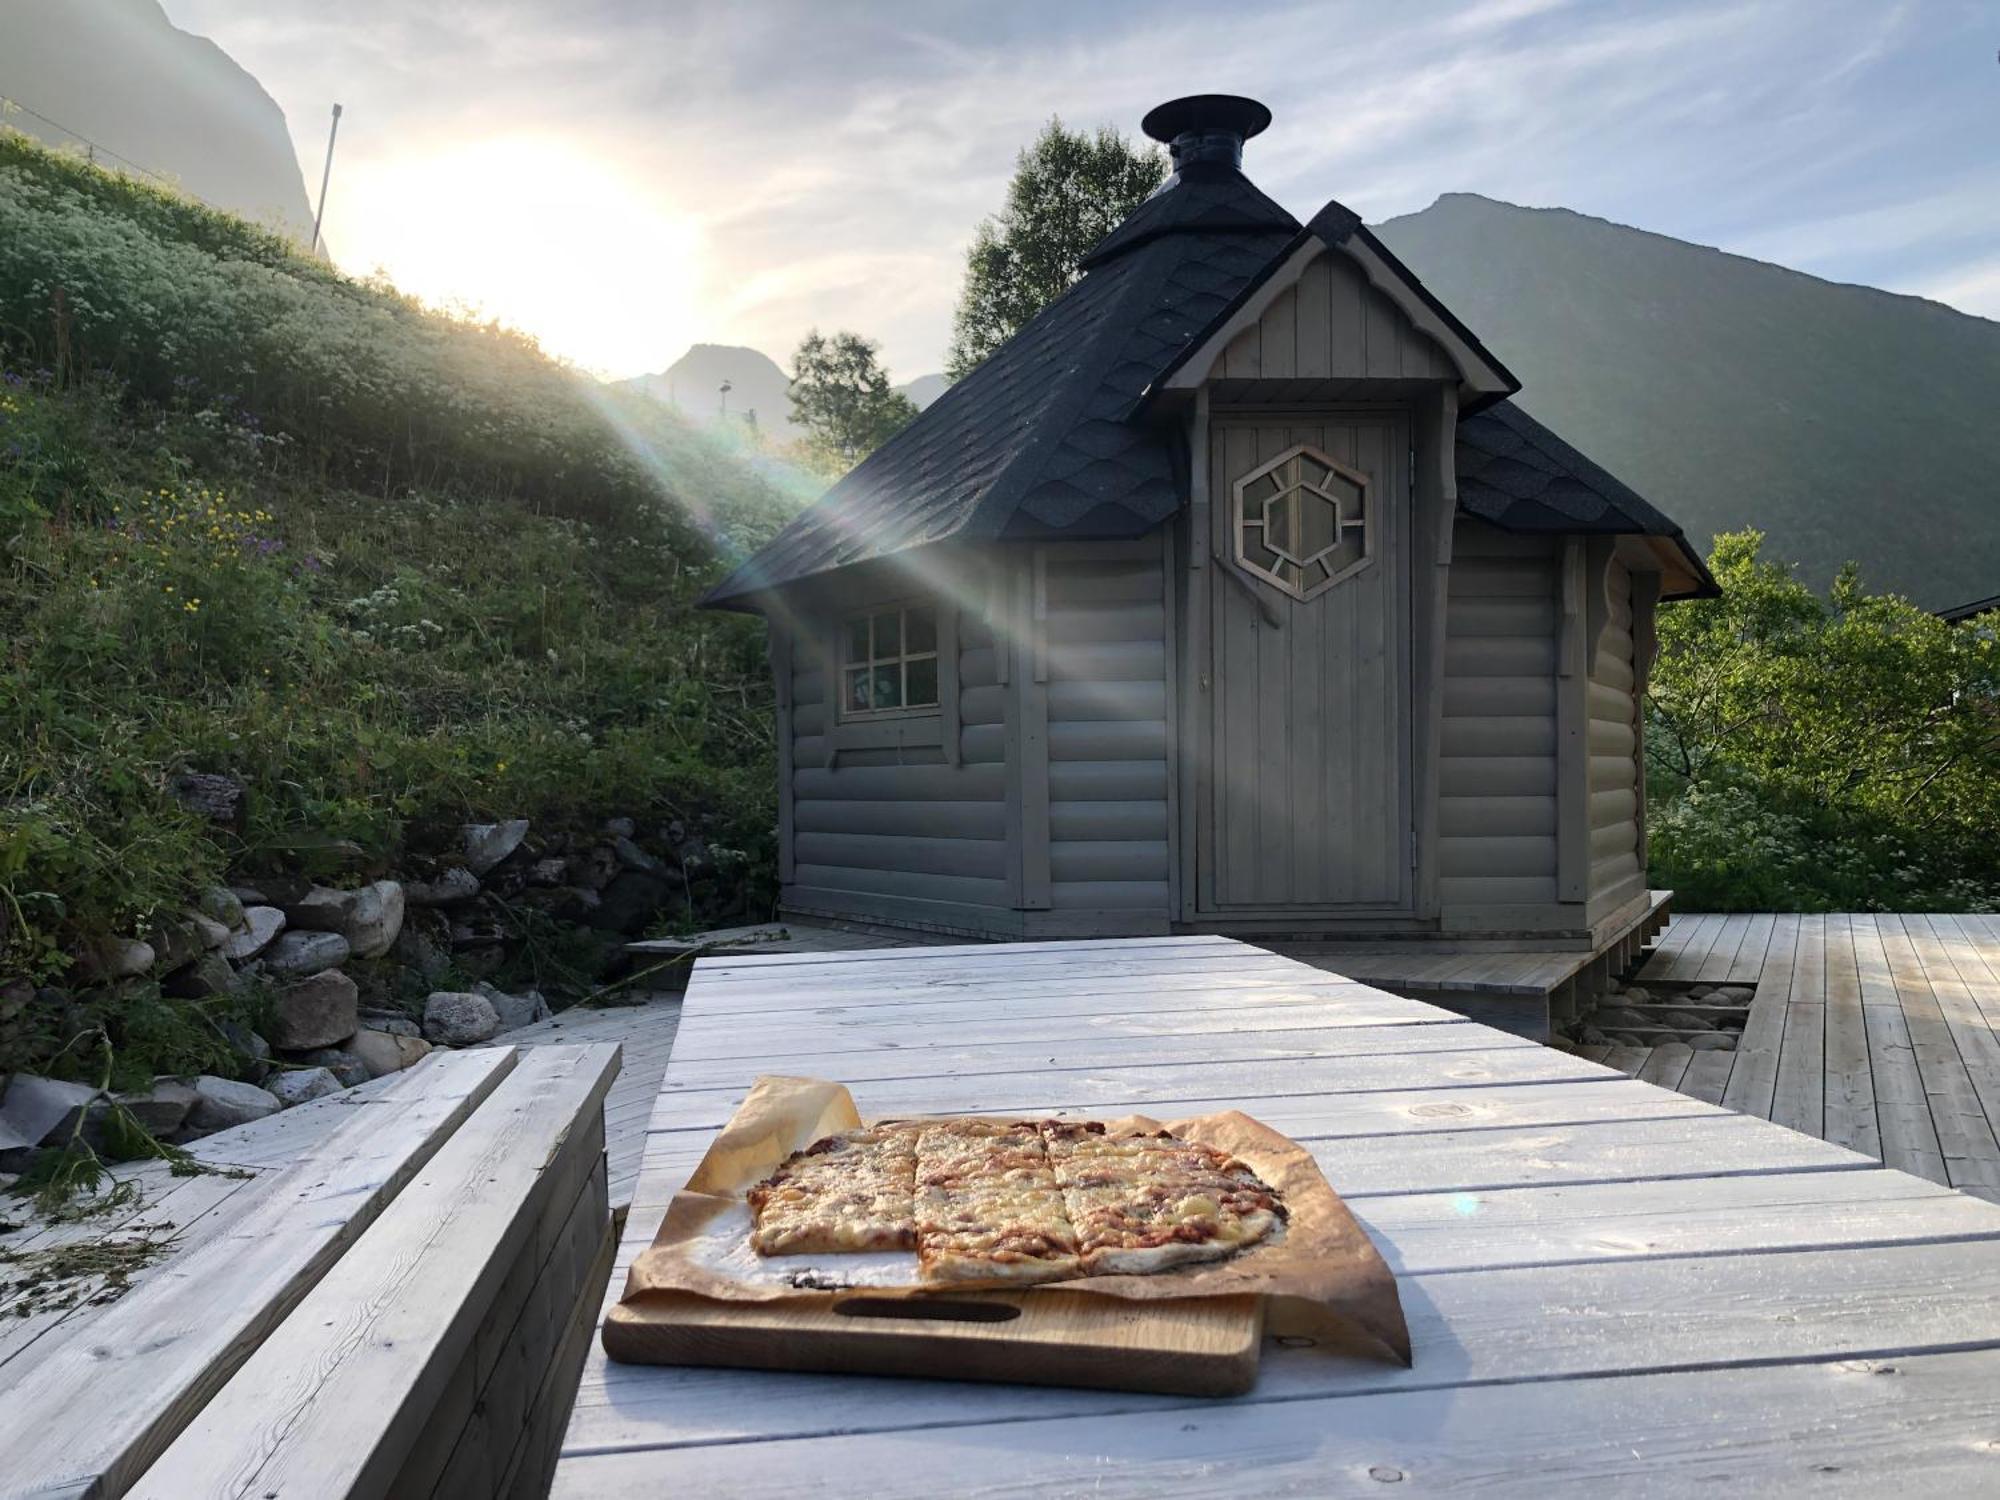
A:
x: 889, y: 661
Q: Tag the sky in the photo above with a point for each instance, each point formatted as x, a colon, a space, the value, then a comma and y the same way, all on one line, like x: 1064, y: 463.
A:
x: 624, y: 178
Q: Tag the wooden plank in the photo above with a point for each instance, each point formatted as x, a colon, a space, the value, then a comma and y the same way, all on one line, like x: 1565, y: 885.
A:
x: 1978, y: 1046
x: 1682, y: 950
x: 1799, y: 1099
x: 1721, y: 956
x: 1468, y: 1328
x: 1753, y: 1081
x: 1627, y: 1060
x: 1707, y: 1076
x: 1667, y: 1064
x: 337, y: 1395
x: 1748, y: 965
x: 1850, y: 1084
x: 1965, y: 1137
x: 728, y: 966
x: 1917, y: 1425
x: 1164, y: 1088
x: 100, y: 1410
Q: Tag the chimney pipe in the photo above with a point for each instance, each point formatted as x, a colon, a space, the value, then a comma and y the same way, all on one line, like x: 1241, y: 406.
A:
x: 1206, y: 129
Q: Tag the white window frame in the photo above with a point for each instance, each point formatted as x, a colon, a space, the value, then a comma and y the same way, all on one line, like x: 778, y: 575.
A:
x: 901, y: 660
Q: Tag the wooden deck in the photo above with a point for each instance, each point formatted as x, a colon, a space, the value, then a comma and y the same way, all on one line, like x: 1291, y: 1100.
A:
x: 1876, y: 1032
x: 1593, y: 1269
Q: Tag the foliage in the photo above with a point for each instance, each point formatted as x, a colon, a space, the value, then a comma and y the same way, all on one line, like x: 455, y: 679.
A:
x: 1809, y: 753
x: 842, y: 397
x: 1069, y: 190
x: 392, y: 571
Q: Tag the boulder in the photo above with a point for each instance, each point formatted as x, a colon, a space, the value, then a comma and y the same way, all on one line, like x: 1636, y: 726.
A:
x: 210, y: 795
x: 391, y: 1021
x: 316, y: 1012
x: 424, y: 944
x: 1732, y: 994
x: 220, y: 904
x: 486, y: 844
x: 515, y: 1011
x: 385, y: 1052
x: 594, y: 869
x: 296, y: 954
x: 163, y: 1108
x: 632, y: 857
x: 1618, y: 1015
x: 246, y: 1044
x: 565, y: 903
x: 1711, y: 1041
x: 1686, y: 1020
x: 368, y: 917
x: 343, y: 1062
x: 630, y: 902
x: 34, y: 1111
x: 176, y: 941
x: 223, y: 1102
x: 549, y: 871
x: 118, y: 958
x: 460, y: 1018
x: 208, y: 975
x: 1590, y: 1036
x: 455, y: 884
x: 295, y: 1086
x: 261, y: 926
x: 213, y: 934
x: 620, y: 828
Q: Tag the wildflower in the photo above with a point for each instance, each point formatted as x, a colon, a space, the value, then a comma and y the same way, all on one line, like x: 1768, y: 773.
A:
x: 500, y: 765
x: 192, y: 606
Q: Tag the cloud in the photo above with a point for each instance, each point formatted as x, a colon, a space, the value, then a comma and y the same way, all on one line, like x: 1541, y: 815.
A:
x: 833, y: 160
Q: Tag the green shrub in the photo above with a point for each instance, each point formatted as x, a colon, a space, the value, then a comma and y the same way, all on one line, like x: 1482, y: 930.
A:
x: 1809, y: 754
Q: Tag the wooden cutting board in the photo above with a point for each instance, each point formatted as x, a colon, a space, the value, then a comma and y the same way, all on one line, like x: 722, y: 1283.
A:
x: 1205, y: 1346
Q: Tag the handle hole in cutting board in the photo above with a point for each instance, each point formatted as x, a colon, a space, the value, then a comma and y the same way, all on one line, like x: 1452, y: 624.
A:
x: 935, y: 1309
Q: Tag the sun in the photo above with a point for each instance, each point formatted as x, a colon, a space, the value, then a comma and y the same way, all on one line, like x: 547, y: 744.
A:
x: 534, y: 230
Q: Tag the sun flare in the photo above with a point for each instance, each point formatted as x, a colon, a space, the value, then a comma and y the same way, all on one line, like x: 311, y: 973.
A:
x: 534, y: 231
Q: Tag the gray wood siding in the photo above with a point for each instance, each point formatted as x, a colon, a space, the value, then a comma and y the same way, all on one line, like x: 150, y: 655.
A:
x: 1497, y: 773
x: 1332, y: 325
x: 1613, y: 741
x: 901, y: 822
x: 1103, y: 614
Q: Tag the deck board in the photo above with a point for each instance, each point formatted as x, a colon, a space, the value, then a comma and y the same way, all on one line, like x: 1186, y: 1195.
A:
x: 1876, y: 1031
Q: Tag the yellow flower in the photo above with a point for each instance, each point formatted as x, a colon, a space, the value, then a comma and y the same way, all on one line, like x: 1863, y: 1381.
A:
x: 501, y: 766
x: 192, y: 606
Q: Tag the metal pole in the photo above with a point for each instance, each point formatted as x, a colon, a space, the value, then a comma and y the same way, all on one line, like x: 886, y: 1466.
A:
x: 320, y: 212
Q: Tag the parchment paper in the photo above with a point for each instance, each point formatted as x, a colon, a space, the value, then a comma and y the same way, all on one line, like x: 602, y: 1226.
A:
x: 1321, y: 1277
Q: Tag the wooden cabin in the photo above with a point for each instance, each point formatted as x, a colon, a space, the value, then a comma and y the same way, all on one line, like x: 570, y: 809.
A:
x: 1233, y: 594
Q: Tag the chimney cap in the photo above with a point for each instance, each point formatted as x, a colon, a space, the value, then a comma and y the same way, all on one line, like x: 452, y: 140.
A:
x: 1222, y: 114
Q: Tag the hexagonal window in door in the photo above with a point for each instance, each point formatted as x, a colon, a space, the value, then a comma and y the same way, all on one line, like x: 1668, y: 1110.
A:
x: 1303, y: 522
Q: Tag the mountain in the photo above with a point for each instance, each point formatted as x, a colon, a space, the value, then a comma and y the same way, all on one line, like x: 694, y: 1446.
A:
x: 925, y: 389
x: 1842, y: 421
x: 117, y: 74
x: 694, y: 384
x: 756, y: 383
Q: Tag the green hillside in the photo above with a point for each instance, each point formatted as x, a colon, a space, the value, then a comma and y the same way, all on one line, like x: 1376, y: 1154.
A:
x: 1841, y: 421
x: 388, y: 571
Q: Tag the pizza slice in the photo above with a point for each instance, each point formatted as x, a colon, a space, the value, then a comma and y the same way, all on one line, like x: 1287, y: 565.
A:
x: 846, y: 1193
x: 987, y: 1206
x: 1146, y: 1203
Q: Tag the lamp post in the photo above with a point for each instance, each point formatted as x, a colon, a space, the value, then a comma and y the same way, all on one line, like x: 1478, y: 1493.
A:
x: 326, y: 175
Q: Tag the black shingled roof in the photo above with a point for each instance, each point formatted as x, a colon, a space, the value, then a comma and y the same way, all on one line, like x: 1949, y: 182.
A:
x: 1046, y: 437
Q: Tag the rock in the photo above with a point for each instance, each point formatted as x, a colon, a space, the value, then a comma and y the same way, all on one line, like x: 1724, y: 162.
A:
x: 632, y: 857
x: 210, y: 795
x: 593, y: 869
x: 261, y: 926
x: 393, y: 1022
x: 460, y: 1018
x: 566, y: 903
x: 550, y: 871
x: 1711, y: 1041
x: 455, y: 884
x: 118, y: 958
x: 630, y: 902
x: 163, y: 1108
x: 208, y: 975
x: 1590, y: 1036
x: 368, y: 917
x: 284, y: 889
x: 252, y: 1048
x: 1700, y: 992
x: 486, y: 844
x: 249, y: 895
x: 295, y: 1086
x: 176, y: 941
x: 620, y: 828
x: 424, y: 944
x: 213, y: 934
x: 1617, y: 1015
x: 315, y: 1012
x: 343, y: 1062
x: 220, y: 904
x: 385, y: 1052
x: 1732, y: 994
x: 476, y: 930
x: 223, y: 1102
x: 515, y: 1011
x: 1633, y: 994
x: 477, y: 963
x: 1686, y: 1020
x: 297, y: 954
x: 36, y: 1111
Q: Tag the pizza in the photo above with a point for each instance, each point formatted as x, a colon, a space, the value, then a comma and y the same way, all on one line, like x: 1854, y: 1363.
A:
x: 1014, y: 1202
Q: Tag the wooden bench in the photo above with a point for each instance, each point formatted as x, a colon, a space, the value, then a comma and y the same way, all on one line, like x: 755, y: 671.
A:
x: 402, y: 1311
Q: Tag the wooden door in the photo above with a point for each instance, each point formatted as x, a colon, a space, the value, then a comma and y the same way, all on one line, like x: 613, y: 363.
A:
x: 1306, y: 807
